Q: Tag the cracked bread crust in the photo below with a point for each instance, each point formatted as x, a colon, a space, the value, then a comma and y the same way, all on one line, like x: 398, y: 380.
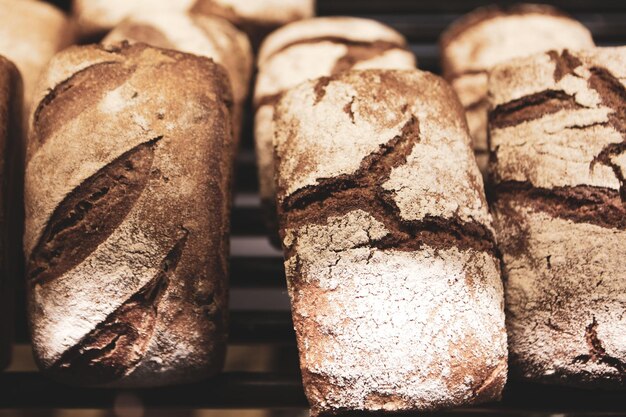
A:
x: 491, y: 35
x: 558, y: 132
x: 207, y: 36
x: 31, y: 32
x: 307, y: 50
x: 395, y: 285
x: 10, y: 198
x: 127, y: 217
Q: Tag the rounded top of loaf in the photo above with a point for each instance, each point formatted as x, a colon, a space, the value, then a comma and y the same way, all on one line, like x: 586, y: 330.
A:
x: 208, y: 36
x: 95, y: 17
x: 335, y: 127
x: 266, y: 12
x: 339, y: 28
x: 91, y: 62
x: 557, y: 119
x: 490, y: 35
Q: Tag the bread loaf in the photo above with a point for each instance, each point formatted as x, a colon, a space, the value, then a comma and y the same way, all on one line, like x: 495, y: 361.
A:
x: 307, y: 50
x: 558, y: 143
x: 491, y: 35
x: 256, y: 18
x: 127, y: 194
x: 31, y: 32
x: 259, y: 17
x: 390, y: 258
x: 197, y: 34
x: 10, y: 199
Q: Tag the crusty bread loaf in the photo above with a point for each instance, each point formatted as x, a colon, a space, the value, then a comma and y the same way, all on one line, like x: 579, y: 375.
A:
x: 491, y: 35
x: 10, y: 199
x: 259, y: 17
x: 389, y: 253
x: 306, y: 50
x: 127, y: 194
x: 94, y: 18
x: 558, y: 142
x: 212, y: 37
x: 31, y: 32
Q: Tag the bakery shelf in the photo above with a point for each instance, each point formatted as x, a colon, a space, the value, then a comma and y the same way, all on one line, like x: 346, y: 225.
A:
x: 259, y: 267
x: 250, y: 390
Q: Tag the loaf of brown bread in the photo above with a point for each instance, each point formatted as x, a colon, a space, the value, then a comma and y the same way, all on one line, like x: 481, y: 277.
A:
x: 491, y: 35
x: 259, y: 17
x: 212, y: 37
x: 31, y: 32
x: 390, y: 258
x: 10, y: 199
x: 127, y: 194
x: 307, y: 50
x: 255, y: 17
x: 558, y: 143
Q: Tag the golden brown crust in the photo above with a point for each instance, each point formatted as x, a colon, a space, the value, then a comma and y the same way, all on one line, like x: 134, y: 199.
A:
x: 558, y: 130
x: 10, y: 199
x: 389, y: 250
x: 126, y: 233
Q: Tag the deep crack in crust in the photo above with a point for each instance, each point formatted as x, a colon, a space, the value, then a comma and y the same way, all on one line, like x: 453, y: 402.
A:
x: 559, y: 234
x: 310, y: 49
x: 127, y: 232
x: 355, y: 258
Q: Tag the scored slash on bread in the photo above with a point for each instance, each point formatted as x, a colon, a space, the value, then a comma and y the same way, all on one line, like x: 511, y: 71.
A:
x: 558, y: 150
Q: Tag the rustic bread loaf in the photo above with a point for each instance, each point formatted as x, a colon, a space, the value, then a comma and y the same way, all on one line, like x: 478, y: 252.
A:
x: 491, y: 35
x: 306, y: 50
x: 260, y: 17
x: 212, y: 37
x: 127, y: 193
x: 558, y: 143
x: 31, y: 32
x: 10, y: 199
x: 257, y: 18
x: 389, y: 253
x: 94, y: 18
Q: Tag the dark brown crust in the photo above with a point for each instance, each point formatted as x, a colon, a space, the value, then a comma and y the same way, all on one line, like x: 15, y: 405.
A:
x: 483, y: 14
x: 90, y: 214
x: 581, y: 204
x: 363, y: 191
x: 613, y: 95
x: 11, y: 199
x: 118, y: 344
x: 565, y: 63
x: 531, y: 107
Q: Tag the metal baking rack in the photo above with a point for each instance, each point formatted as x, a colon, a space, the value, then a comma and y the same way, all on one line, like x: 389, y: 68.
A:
x: 257, y: 274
